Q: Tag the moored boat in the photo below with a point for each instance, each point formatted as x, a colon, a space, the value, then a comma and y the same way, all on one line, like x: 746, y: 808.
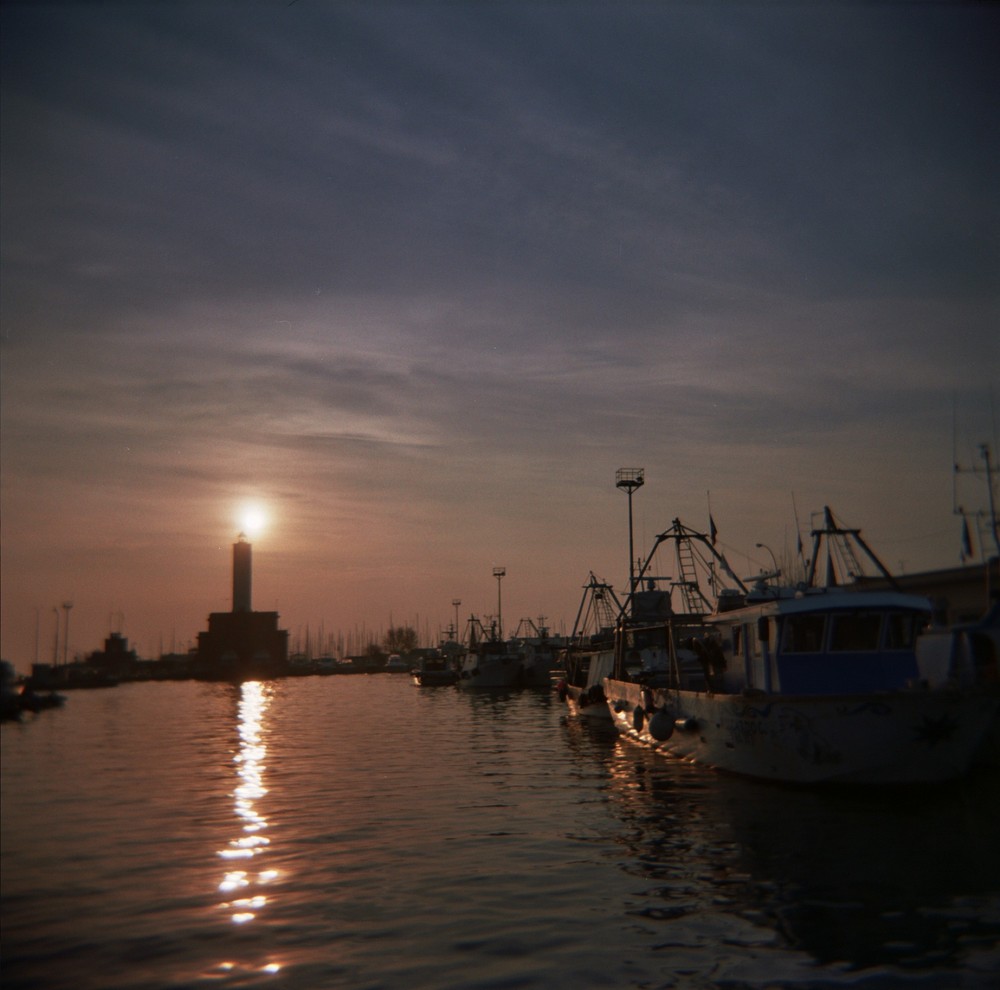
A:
x: 539, y: 651
x: 803, y: 685
x: 489, y: 661
x: 434, y: 671
x: 590, y: 654
x: 966, y: 656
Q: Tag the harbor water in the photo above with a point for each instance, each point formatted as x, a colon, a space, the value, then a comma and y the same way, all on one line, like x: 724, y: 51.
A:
x: 359, y: 832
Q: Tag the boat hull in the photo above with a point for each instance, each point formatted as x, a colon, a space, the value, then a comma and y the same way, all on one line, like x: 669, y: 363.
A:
x: 584, y: 702
x: 582, y: 687
x: 893, y: 737
x: 491, y: 670
x: 435, y: 678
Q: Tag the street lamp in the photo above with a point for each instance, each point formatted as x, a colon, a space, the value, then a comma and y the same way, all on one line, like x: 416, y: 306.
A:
x: 629, y: 479
x: 774, y: 562
x: 499, y: 573
x: 66, y: 607
x: 55, y: 645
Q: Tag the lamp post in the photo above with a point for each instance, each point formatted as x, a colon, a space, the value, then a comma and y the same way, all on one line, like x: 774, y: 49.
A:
x: 456, y: 602
x: 629, y: 479
x: 66, y: 607
x: 774, y: 562
x: 55, y: 645
x: 499, y: 573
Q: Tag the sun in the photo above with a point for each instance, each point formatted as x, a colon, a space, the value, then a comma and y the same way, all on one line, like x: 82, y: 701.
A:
x: 252, y: 519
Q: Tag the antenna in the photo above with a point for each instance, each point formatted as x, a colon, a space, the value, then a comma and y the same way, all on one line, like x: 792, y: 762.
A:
x: 989, y: 470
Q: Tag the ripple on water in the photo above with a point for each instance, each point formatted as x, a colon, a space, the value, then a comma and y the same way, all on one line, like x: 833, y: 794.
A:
x: 440, y: 839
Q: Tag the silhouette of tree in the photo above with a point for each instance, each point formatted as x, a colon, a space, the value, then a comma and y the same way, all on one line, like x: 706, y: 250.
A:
x: 401, y: 639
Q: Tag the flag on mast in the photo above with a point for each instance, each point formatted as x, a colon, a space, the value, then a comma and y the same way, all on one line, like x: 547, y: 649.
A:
x: 966, y: 540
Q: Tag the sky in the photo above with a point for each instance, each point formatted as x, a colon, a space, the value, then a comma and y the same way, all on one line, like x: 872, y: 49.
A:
x: 416, y: 279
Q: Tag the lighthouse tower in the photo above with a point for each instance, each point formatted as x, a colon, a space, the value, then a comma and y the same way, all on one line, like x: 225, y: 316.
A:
x: 242, y: 575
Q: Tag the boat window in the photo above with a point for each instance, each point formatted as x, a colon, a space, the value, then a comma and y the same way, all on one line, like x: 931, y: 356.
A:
x: 855, y: 631
x: 901, y: 630
x: 803, y: 634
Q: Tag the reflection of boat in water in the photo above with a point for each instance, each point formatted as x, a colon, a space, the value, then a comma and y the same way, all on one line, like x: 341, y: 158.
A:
x: 807, y: 684
x: 843, y: 887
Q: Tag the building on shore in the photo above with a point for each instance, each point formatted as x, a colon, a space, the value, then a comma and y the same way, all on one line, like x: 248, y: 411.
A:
x: 242, y: 644
x: 958, y: 594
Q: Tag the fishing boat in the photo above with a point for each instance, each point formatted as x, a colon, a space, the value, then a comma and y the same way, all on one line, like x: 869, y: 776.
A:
x: 966, y: 656
x: 589, y: 655
x: 813, y: 683
x: 490, y: 661
x: 539, y: 650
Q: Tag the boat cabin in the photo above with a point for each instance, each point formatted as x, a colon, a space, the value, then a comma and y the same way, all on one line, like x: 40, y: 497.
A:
x: 824, y: 642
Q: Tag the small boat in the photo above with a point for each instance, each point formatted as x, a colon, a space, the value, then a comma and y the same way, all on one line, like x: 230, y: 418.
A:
x: 806, y: 684
x: 397, y: 665
x: 34, y: 701
x: 10, y: 694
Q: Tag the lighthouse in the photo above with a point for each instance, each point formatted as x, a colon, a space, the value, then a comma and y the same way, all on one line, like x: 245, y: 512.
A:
x: 242, y: 644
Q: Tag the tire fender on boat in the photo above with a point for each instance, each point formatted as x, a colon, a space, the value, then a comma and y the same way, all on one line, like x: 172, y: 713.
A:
x: 661, y: 725
x: 638, y: 717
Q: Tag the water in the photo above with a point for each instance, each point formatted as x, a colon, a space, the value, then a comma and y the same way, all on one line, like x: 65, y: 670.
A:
x: 358, y: 832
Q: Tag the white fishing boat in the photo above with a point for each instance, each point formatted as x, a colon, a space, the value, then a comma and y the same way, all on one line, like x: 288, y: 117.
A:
x: 806, y: 685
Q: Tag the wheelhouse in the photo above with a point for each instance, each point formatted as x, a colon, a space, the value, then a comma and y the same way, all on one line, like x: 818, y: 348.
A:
x: 831, y: 643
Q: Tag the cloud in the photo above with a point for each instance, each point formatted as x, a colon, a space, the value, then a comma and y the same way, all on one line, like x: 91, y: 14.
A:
x: 425, y: 275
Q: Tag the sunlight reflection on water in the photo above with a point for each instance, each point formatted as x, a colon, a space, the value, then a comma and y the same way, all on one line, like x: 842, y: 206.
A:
x: 357, y: 832
x: 249, y: 843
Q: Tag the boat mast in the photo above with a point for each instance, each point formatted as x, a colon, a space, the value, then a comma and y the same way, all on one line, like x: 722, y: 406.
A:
x: 831, y: 530
x: 990, y: 471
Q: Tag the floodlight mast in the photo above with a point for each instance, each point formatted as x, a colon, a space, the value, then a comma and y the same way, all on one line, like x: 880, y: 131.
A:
x: 630, y: 479
x: 499, y: 573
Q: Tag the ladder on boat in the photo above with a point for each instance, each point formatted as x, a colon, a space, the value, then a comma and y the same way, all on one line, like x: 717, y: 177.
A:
x: 694, y: 600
